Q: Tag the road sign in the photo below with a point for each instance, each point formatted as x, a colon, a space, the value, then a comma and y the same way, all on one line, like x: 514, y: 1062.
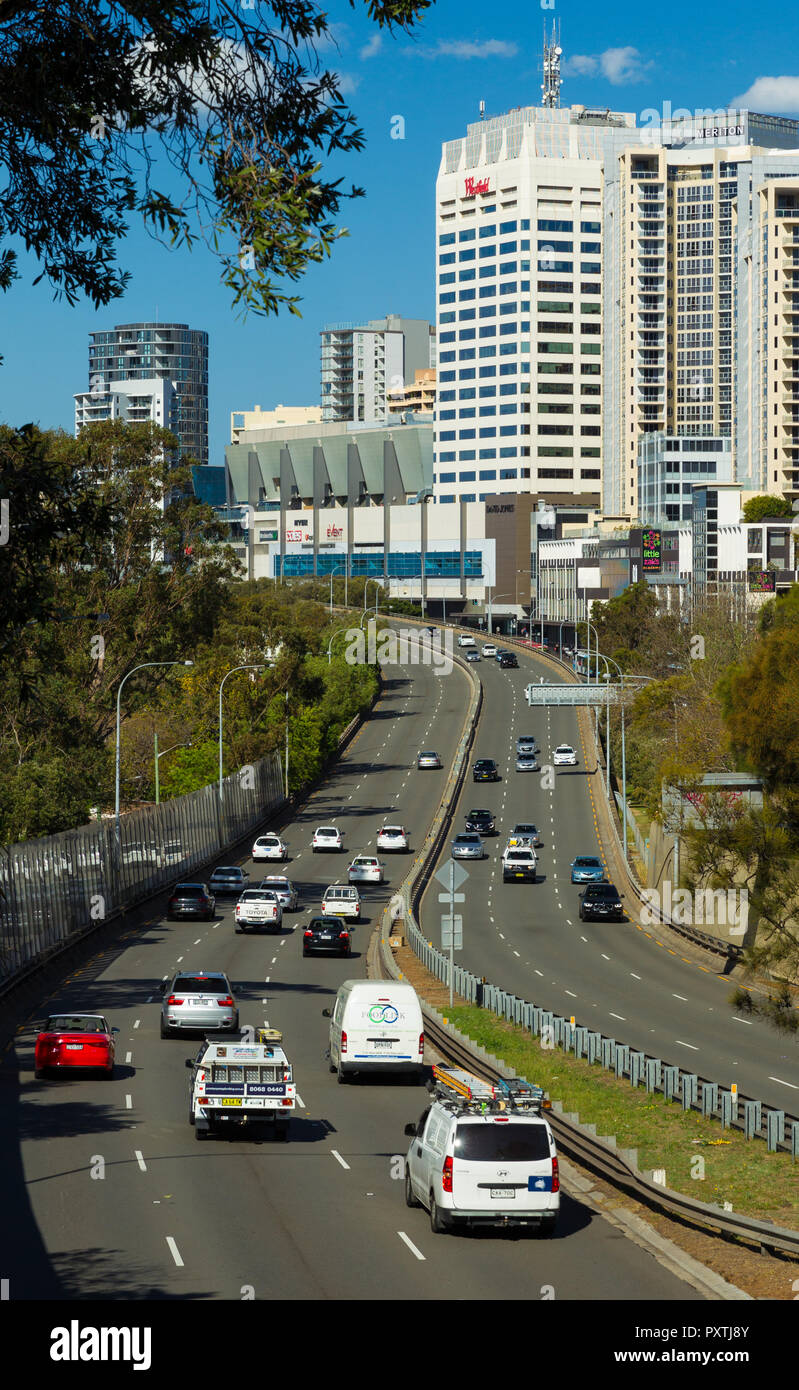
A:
x: 452, y: 897
x: 446, y: 933
x: 572, y: 695
x: 452, y: 875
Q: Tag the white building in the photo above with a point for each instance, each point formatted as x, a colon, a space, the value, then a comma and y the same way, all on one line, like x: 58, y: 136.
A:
x: 362, y: 363
x: 152, y: 399
x: 258, y: 419
x: 519, y: 303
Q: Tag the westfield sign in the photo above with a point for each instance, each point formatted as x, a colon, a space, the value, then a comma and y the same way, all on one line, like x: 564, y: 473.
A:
x: 475, y: 186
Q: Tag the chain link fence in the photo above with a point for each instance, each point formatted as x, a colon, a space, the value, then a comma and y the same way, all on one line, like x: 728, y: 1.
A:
x: 56, y: 887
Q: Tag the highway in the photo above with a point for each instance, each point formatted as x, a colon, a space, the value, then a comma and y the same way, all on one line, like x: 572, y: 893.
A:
x: 107, y: 1194
x: 528, y: 938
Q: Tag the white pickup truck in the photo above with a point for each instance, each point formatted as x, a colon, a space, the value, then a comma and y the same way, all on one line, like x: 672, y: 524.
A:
x: 240, y: 1083
x: 258, y: 907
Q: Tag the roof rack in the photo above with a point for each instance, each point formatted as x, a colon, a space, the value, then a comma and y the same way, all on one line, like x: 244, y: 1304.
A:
x: 461, y: 1090
x: 268, y: 1035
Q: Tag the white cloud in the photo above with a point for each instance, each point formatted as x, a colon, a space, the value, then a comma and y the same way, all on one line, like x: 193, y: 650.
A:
x: 346, y: 83
x: 620, y: 66
x: 372, y: 47
x: 465, y: 48
x: 767, y: 94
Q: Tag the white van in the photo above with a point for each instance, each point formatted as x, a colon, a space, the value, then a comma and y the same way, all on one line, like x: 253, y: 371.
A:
x: 483, y: 1162
x: 376, y: 1025
x: 466, y: 641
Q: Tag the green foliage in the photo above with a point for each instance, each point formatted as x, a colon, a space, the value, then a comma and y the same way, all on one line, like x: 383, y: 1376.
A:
x: 190, y: 769
x: 758, y: 508
x: 98, y: 101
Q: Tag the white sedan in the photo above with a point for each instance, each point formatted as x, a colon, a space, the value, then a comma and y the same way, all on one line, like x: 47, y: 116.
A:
x: 365, y: 868
x: 327, y: 837
x: 392, y: 837
x: 269, y: 847
x: 564, y: 756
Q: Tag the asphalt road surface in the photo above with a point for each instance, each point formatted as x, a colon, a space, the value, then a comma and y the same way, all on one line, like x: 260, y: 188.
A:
x: 107, y: 1194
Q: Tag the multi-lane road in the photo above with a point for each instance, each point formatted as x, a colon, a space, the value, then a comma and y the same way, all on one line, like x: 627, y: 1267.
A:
x: 612, y: 977
x: 108, y: 1195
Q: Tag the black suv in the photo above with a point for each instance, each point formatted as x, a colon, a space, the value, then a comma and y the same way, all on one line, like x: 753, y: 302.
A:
x: 601, y: 902
x: 326, y: 934
x: 481, y: 821
x: 485, y: 770
x: 507, y: 659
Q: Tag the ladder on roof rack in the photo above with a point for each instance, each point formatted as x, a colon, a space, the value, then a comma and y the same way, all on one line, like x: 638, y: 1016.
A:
x: 457, y: 1085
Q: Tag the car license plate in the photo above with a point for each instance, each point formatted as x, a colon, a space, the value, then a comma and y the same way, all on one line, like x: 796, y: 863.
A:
x: 384, y: 1042
x: 227, y: 1100
x: 74, y: 1047
x: 503, y: 1192
x: 520, y: 875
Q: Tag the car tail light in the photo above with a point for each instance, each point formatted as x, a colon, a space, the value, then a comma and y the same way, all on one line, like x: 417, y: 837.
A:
x: 225, y: 1003
x: 446, y: 1176
x: 173, y: 999
x: 343, y: 1042
x: 555, y: 1177
x: 308, y: 932
x: 421, y: 1044
x: 344, y: 934
x: 238, y: 910
x: 203, y: 1100
x: 285, y: 1102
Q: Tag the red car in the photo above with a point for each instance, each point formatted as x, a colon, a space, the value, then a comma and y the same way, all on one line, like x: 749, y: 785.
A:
x: 75, y: 1040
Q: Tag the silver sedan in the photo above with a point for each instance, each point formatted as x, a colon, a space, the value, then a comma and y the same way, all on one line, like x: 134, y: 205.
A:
x: 467, y: 845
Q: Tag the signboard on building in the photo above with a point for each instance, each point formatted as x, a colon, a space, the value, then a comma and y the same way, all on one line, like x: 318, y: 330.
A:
x: 650, y: 551
x: 298, y: 528
x: 762, y: 582
x: 475, y: 186
x: 267, y: 535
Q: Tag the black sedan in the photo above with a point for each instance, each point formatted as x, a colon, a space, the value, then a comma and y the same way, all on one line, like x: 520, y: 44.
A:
x: 484, y: 822
x: 191, y: 900
x: 601, y: 902
x: 485, y: 770
x: 326, y: 934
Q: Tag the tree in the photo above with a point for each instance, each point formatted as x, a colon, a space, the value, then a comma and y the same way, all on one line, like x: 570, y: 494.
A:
x: 99, y: 101
x: 757, y: 508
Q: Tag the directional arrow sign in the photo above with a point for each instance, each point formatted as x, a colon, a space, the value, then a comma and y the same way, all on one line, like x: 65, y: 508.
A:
x: 452, y: 875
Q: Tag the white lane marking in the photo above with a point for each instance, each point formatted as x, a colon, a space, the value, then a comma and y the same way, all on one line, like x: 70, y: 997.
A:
x: 180, y: 958
x: 175, y: 1253
x: 136, y: 1024
x: 582, y: 938
x: 571, y: 924
x: 515, y: 953
x: 300, y: 1101
x: 780, y: 1082
x: 680, y: 996
x: 150, y: 998
x: 539, y: 972
x: 411, y: 1245
x: 572, y: 996
x: 128, y: 1058
x: 743, y: 1020
x: 620, y: 1017
x: 682, y: 1044
x: 140, y: 1160
x: 266, y: 982
x: 604, y: 957
x: 197, y: 942
x: 339, y: 1159
x: 128, y: 1102
x: 502, y: 936
x: 274, y: 960
x: 635, y: 977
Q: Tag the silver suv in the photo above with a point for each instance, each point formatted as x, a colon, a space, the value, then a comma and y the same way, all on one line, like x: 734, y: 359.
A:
x: 198, y: 1001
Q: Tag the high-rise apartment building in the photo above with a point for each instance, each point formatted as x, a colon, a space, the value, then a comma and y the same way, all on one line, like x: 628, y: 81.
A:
x: 687, y: 208
x: 519, y: 303
x: 144, y: 353
x: 362, y: 363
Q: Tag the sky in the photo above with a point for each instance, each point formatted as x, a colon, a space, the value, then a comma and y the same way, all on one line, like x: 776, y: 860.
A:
x: 630, y: 57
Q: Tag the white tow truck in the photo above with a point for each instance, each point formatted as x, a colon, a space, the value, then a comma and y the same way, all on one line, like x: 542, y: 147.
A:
x: 234, y: 1082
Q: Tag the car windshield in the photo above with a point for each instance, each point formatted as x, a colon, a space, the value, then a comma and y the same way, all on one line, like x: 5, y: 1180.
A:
x: 524, y: 830
x: 602, y: 890
x: 508, y: 1142
x: 256, y: 895
x: 227, y: 873
x: 484, y: 763
x: 365, y: 863
x: 467, y: 839
x: 324, y: 924
x: 564, y: 748
x: 201, y: 984
x: 70, y: 1023
x: 327, y: 830
x: 278, y: 882
x: 480, y: 815
x: 587, y: 863
x: 392, y: 830
x: 190, y: 890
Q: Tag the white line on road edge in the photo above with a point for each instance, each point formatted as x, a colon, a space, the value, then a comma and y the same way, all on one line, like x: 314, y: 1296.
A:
x: 339, y: 1159
x: 140, y: 1160
x: 300, y: 1101
x: 128, y: 1102
x: 747, y: 1021
x: 175, y: 1253
x: 411, y: 1246
x: 780, y: 1082
x: 682, y: 1044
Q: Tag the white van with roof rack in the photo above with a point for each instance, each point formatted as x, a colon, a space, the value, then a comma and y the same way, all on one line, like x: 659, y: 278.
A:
x: 483, y: 1155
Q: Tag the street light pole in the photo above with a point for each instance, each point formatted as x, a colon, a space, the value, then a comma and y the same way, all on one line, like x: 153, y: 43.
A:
x: 142, y: 667
x: 262, y: 666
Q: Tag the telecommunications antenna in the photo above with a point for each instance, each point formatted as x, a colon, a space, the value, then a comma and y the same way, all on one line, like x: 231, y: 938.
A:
x: 551, y: 67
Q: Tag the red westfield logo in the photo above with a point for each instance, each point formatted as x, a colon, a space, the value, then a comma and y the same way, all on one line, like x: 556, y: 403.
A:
x: 475, y: 186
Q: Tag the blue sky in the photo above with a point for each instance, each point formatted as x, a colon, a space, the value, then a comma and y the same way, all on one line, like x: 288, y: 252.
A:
x: 630, y: 57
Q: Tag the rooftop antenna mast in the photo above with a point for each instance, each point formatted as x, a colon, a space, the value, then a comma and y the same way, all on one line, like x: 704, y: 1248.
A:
x: 550, y: 86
